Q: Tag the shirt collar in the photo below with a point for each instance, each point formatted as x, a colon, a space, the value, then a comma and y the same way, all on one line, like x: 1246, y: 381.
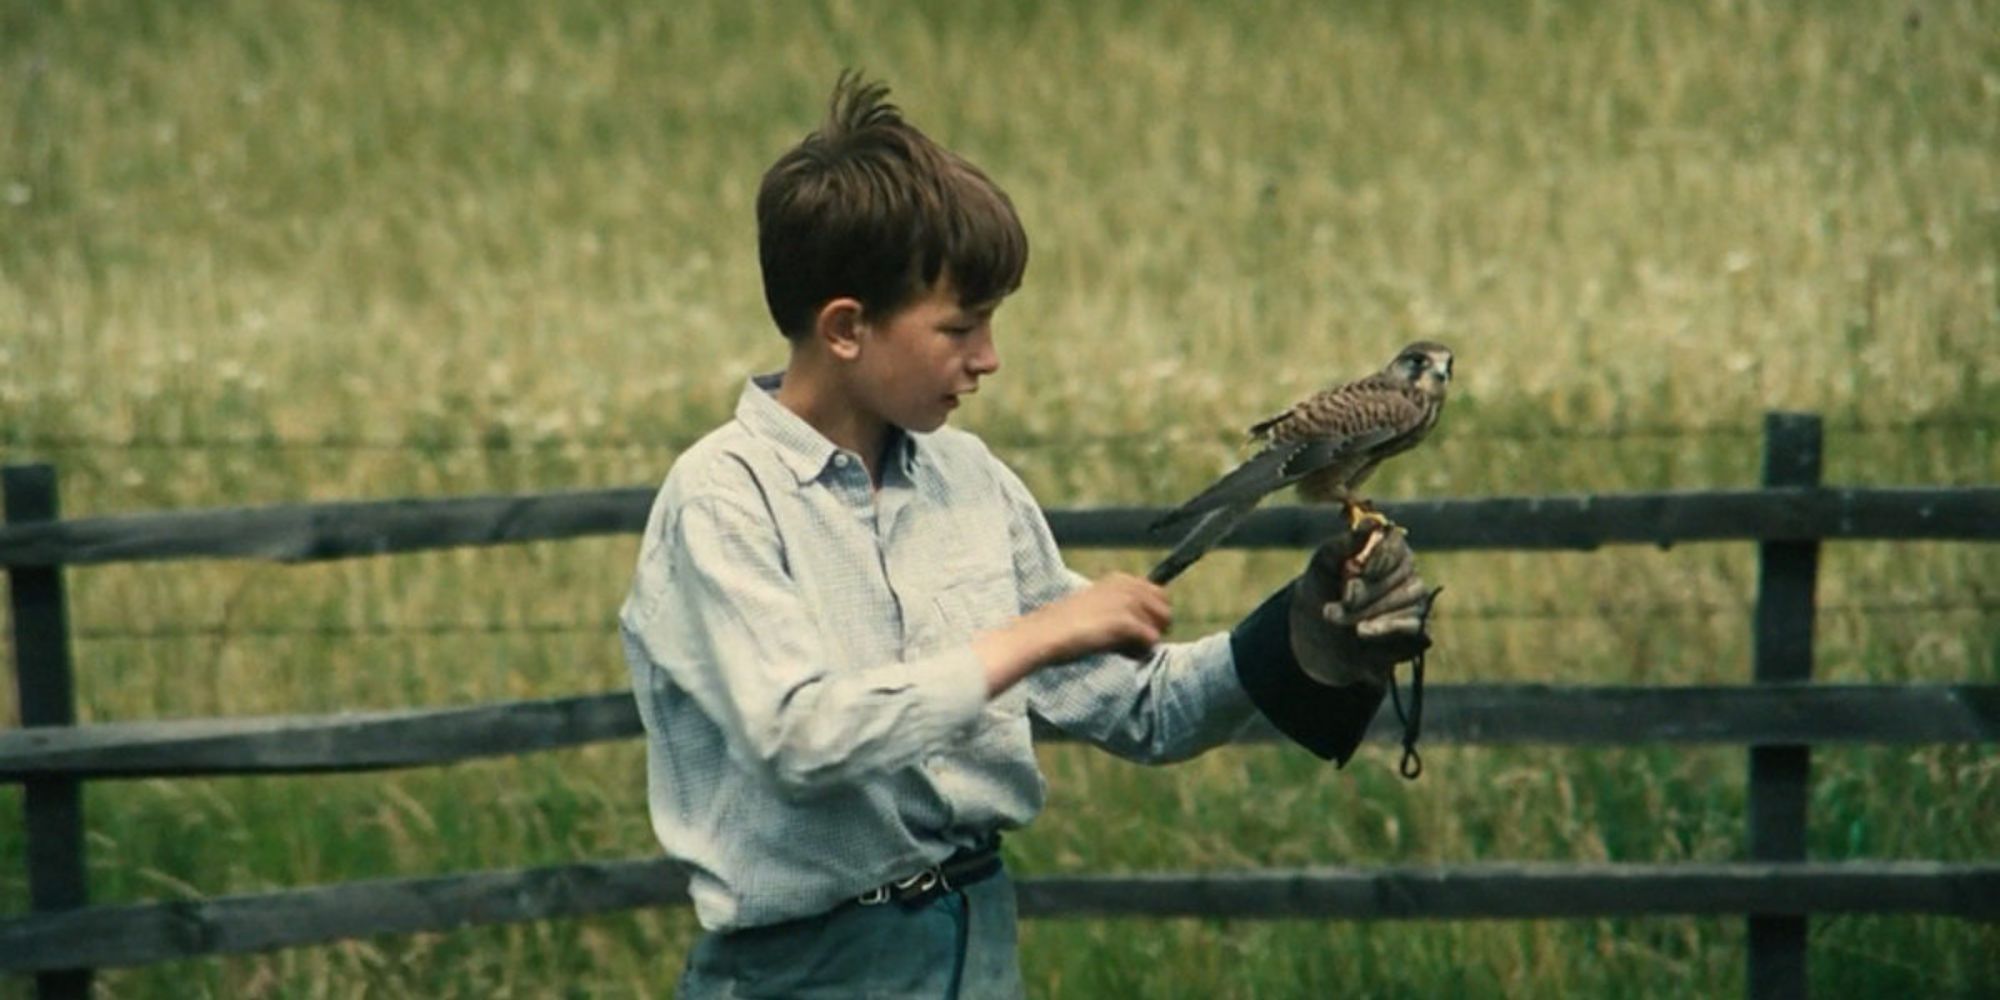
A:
x: 800, y: 446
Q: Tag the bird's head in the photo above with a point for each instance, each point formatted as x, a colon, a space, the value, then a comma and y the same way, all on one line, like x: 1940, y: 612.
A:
x: 1425, y: 364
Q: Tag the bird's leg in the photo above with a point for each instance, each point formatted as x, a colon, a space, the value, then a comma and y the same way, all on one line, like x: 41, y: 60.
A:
x: 1363, y: 517
x: 1360, y: 512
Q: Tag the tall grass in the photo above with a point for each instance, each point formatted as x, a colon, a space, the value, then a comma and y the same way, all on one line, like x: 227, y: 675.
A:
x: 262, y: 252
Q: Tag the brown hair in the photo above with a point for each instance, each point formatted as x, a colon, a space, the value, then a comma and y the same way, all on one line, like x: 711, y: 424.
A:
x: 870, y: 207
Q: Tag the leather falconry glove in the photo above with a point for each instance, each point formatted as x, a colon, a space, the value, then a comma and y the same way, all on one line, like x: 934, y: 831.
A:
x: 1318, y: 657
x: 1358, y: 610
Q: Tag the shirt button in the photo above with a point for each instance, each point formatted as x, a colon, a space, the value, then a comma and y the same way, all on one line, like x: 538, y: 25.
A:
x: 840, y: 461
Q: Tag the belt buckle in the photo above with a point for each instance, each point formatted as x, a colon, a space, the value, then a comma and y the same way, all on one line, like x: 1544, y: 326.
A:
x: 918, y: 887
x: 905, y: 890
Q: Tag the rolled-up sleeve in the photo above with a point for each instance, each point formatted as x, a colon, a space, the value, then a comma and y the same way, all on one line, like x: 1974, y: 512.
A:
x: 716, y: 609
x: 1183, y: 699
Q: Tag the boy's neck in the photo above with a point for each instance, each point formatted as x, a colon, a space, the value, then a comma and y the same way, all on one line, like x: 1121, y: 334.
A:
x: 810, y: 390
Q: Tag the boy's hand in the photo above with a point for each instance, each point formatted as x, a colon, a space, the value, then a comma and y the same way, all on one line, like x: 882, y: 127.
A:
x: 1119, y: 613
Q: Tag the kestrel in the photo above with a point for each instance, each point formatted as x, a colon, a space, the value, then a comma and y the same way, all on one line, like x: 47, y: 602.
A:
x: 1328, y: 444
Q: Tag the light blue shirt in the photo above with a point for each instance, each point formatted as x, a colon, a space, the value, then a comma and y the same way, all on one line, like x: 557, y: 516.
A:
x: 800, y: 647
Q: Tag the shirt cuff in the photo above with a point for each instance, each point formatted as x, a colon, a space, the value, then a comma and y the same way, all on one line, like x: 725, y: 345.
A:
x: 1211, y: 664
x: 951, y: 686
x: 1329, y: 721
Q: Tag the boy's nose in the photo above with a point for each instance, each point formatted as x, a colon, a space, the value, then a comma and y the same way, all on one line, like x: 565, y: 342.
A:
x: 985, y: 359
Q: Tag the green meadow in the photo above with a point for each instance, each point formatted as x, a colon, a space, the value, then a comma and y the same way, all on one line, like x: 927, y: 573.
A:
x: 267, y: 252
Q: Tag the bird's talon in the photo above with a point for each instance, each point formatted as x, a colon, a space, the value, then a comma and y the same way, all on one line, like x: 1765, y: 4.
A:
x: 1360, y: 514
x: 1356, y: 562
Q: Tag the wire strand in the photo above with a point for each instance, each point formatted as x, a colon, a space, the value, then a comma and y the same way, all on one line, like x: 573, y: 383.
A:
x: 1018, y: 440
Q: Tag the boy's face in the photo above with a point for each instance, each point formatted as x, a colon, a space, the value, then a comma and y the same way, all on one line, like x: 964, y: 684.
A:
x: 916, y: 364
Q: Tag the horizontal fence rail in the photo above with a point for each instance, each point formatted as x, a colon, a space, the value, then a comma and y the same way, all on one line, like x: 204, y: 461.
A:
x: 1471, y: 714
x: 147, y: 933
x: 308, y: 532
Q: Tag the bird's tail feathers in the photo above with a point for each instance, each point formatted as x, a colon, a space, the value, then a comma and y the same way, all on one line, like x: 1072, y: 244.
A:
x: 1214, y: 526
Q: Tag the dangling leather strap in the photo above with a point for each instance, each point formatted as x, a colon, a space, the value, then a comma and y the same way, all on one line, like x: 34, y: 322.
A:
x: 1411, y: 765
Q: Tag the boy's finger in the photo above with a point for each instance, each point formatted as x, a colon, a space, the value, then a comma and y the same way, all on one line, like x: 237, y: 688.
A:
x: 1406, y: 619
x: 1406, y: 594
x: 1410, y: 593
x: 1409, y: 621
x: 1364, y: 590
x: 1391, y: 553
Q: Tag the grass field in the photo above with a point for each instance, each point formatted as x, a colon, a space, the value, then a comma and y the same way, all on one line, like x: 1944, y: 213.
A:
x: 264, y: 252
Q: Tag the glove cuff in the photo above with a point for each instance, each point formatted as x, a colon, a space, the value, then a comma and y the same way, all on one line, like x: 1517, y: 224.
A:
x: 1329, y: 721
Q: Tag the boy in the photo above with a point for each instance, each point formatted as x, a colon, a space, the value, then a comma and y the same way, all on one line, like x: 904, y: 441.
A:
x: 844, y: 613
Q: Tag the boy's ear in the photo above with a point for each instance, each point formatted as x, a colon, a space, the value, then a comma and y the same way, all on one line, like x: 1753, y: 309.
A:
x: 838, y: 326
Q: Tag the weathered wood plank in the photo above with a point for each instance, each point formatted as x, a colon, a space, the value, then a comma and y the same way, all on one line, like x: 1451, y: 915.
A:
x: 1530, y: 891
x: 354, y: 741
x: 1585, y: 715
x: 307, y: 532
x: 344, y: 530
x: 1473, y: 714
x: 156, y: 932
x: 52, y: 806
x: 1787, y: 584
x: 1587, y: 522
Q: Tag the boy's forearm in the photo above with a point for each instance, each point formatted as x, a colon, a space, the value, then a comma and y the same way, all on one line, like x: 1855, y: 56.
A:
x: 1117, y: 613
x: 1012, y: 652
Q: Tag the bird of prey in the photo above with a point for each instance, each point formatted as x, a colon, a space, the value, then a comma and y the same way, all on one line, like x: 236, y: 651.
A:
x: 1327, y: 444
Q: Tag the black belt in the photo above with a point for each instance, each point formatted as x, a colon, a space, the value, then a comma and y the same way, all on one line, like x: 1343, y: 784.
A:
x: 969, y: 866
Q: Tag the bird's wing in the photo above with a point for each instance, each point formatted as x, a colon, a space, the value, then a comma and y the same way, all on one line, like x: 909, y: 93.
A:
x: 1274, y: 468
x: 1379, y: 400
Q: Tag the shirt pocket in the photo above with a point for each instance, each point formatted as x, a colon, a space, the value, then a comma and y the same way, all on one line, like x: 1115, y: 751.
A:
x: 971, y: 602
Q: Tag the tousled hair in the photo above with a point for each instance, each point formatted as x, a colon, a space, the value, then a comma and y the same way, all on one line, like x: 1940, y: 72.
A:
x: 867, y: 206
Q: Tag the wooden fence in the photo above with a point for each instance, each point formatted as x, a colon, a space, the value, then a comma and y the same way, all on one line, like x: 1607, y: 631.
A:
x: 1778, y: 717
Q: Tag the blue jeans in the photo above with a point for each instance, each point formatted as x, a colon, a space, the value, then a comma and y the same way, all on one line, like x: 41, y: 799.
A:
x: 959, y: 946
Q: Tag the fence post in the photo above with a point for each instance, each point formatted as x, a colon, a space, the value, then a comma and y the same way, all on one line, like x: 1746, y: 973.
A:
x: 1787, y: 573
x: 54, y: 806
